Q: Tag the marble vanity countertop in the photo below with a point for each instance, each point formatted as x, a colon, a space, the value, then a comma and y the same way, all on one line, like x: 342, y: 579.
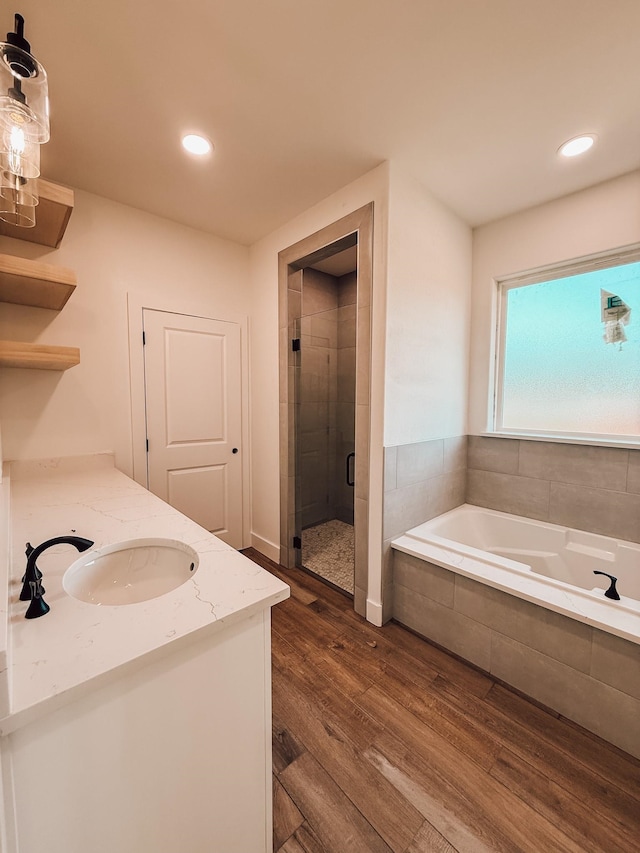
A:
x: 78, y: 646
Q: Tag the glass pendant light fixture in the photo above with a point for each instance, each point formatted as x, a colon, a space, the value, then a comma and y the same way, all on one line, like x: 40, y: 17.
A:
x: 24, y: 127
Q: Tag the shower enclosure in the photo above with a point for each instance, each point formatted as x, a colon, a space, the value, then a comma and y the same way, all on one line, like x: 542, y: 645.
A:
x: 325, y: 367
x: 324, y: 418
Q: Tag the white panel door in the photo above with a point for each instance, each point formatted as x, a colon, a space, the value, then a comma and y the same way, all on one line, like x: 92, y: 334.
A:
x: 193, y: 409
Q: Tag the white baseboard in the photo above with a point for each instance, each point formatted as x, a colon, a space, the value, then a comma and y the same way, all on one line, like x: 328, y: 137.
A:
x: 269, y: 549
x: 374, y: 613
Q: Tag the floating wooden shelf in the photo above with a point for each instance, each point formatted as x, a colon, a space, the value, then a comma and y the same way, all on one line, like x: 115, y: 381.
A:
x: 18, y: 354
x: 52, y: 216
x: 33, y: 283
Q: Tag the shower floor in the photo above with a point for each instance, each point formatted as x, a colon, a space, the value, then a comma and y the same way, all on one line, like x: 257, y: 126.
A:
x: 328, y: 551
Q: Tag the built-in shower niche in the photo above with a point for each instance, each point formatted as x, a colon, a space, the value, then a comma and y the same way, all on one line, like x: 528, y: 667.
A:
x: 325, y: 391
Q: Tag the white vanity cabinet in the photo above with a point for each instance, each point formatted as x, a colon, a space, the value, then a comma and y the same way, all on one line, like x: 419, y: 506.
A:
x: 142, y: 727
x: 173, y: 756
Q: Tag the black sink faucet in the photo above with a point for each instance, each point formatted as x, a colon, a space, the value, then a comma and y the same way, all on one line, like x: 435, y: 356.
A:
x: 32, y: 588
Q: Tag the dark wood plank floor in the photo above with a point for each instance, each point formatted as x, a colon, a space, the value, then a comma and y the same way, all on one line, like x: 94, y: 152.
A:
x: 383, y: 742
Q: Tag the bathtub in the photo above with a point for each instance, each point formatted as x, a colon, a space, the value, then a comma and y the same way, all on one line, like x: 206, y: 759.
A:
x: 543, y: 563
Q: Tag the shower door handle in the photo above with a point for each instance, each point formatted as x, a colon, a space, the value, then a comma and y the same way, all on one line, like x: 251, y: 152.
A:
x: 350, y: 480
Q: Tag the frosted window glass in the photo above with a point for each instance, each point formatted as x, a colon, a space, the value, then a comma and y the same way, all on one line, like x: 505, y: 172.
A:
x: 559, y: 375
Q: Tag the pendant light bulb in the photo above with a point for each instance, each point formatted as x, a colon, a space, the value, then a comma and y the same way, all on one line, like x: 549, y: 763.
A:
x: 24, y: 126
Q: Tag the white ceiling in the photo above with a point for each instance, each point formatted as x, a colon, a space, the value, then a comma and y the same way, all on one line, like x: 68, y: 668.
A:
x: 303, y: 96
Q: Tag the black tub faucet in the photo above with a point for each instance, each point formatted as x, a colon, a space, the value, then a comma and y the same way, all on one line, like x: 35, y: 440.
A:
x: 32, y: 589
x: 612, y: 592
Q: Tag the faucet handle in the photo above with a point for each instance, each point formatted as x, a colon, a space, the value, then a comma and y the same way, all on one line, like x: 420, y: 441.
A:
x: 28, y: 551
x: 26, y: 593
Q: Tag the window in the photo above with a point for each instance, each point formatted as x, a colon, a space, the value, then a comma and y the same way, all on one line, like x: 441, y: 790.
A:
x: 568, y: 360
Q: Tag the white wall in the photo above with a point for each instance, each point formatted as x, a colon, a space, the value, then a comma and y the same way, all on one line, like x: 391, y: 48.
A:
x: 428, y: 310
x: 603, y: 217
x: 264, y: 345
x: 113, y: 249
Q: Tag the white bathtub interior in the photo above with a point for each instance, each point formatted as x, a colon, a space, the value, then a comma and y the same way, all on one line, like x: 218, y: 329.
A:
x: 561, y: 553
x: 540, y: 562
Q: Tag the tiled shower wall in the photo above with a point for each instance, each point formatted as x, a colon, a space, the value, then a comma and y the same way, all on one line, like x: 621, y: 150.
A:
x: 317, y: 395
x: 346, y: 405
x: 327, y: 396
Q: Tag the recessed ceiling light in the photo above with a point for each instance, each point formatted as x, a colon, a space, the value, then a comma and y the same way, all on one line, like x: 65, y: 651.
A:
x: 196, y: 144
x: 577, y: 145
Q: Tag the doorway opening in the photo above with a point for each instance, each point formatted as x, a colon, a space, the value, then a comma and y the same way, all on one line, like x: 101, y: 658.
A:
x: 324, y: 419
x: 325, y: 320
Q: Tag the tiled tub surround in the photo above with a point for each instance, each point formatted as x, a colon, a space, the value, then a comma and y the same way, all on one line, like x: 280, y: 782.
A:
x: 577, y: 485
x: 583, y: 673
x: 543, y: 563
x: 421, y: 481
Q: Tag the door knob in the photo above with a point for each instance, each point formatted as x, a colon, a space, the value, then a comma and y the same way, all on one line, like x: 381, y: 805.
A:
x: 235, y: 450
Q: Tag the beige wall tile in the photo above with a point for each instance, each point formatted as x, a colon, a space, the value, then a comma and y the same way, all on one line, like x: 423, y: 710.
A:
x: 425, y: 578
x: 363, y: 355
x: 285, y: 419
x: 345, y: 420
x: 455, y: 453
x: 319, y: 292
x: 362, y: 452
x: 364, y: 282
x: 312, y: 414
x: 509, y: 493
x: 390, y: 463
x: 611, y: 513
x: 323, y: 327
x: 314, y: 442
x: 294, y: 305
x: 493, y: 454
x: 447, y: 492
x: 347, y: 375
x: 456, y: 632
x: 346, y: 333
x: 405, y: 508
x: 347, y: 288
x: 347, y: 312
x: 388, y: 556
x: 604, y: 467
x: 608, y: 712
x: 633, y: 476
x: 616, y: 662
x: 387, y: 604
x: 419, y: 461
x: 294, y: 280
x: 553, y: 634
x: 361, y: 514
x: 283, y: 365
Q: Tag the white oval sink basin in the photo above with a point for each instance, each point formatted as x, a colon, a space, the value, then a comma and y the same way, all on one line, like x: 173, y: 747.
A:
x: 130, y: 572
